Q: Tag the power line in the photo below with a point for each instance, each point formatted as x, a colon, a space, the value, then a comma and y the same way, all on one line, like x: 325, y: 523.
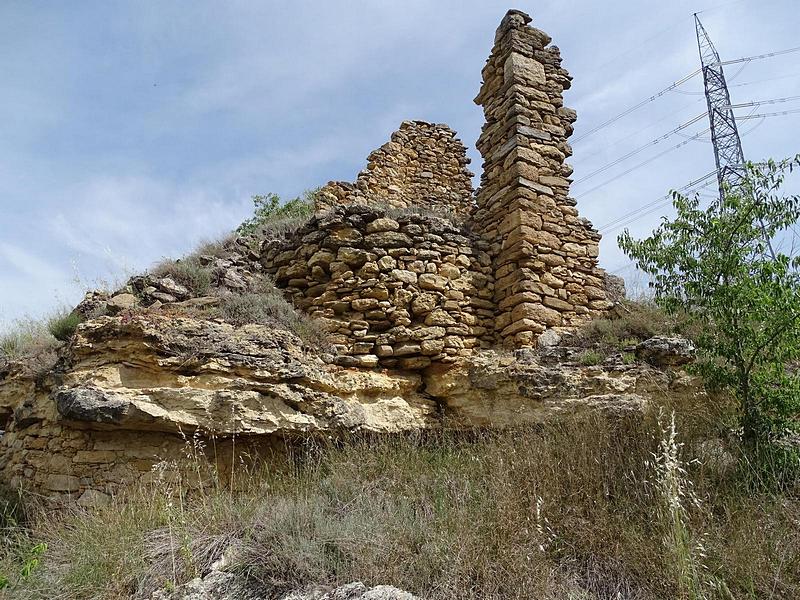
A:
x: 654, y: 142
x: 731, y: 78
x: 759, y: 56
x: 744, y: 83
x: 656, y: 207
x: 647, y: 208
x: 760, y: 102
x: 772, y: 114
x: 583, y: 157
x: 643, y: 163
x: 636, y: 107
x: 674, y: 85
x: 677, y: 130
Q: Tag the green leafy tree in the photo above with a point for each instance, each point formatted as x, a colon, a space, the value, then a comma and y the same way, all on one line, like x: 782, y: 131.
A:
x: 716, y: 266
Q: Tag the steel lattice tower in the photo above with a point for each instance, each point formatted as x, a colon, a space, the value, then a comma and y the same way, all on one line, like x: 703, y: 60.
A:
x: 725, y: 138
x: 728, y: 153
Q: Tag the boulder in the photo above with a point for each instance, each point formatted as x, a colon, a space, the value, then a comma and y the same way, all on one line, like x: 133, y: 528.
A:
x: 664, y: 351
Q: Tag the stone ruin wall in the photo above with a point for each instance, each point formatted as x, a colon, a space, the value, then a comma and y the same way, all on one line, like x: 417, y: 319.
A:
x: 406, y: 291
x: 423, y: 165
x: 394, y: 289
x: 544, y: 255
x: 68, y: 460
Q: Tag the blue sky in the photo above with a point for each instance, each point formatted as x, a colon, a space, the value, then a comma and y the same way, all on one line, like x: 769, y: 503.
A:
x: 132, y: 131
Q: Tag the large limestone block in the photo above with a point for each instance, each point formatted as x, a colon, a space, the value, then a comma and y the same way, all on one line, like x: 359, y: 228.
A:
x: 522, y: 69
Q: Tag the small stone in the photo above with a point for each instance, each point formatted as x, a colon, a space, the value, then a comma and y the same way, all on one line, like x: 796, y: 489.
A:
x: 429, y: 281
x: 63, y: 483
x: 406, y: 349
x: 424, y: 303
x: 93, y: 499
x: 168, y: 286
x: 404, y: 276
x: 663, y: 351
x: 365, y: 361
x: 383, y: 224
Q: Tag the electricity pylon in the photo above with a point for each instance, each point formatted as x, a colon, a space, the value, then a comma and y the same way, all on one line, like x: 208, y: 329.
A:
x: 728, y: 153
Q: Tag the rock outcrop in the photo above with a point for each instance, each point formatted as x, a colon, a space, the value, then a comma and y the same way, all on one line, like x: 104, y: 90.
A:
x: 132, y: 396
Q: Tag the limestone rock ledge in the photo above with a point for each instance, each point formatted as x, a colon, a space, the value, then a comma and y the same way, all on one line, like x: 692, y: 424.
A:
x: 133, y: 392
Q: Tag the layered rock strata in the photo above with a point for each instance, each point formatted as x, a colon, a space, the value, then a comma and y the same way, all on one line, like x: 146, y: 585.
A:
x: 153, y: 399
x: 544, y: 255
x: 424, y: 165
x: 133, y: 395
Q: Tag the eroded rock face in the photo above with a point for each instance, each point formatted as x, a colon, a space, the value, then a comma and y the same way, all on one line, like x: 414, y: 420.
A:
x: 132, y: 395
x: 130, y: 392
x: 504, y: 390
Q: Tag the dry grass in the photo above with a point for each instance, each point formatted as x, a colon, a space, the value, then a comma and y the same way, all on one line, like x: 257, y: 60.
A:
x: 267, y: 305
x: 582, y: 509
x: 628, y: 324
x: 31, y: 343
x: 188, y: 272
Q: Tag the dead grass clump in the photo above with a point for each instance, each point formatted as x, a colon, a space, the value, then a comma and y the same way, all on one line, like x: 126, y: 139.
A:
x: 31, y: 344
x: 188, y: 272
x: 280, y: 228
x: 62, y: 325
x: 26, y: 337
x: 629, y: 324
x: 268, y: 306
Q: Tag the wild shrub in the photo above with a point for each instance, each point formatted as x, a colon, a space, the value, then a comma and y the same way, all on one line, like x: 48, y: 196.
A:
x: 269, y: 213
x: 188, y: 272
x: 63, y: 325
x: 590, y: 357
x: 268, y: 306
x: 630, y: 323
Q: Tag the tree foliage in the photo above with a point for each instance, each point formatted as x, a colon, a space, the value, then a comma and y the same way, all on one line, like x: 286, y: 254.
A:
x: 716, y: 265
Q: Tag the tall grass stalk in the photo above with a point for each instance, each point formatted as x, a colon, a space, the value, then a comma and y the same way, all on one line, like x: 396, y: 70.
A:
x: 685, y: 551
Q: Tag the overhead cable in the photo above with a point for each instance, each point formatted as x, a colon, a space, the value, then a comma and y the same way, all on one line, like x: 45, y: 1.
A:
x: 646, y: 208
x: 654, y: 142
x: 643, y: 163
x: 674, y: 85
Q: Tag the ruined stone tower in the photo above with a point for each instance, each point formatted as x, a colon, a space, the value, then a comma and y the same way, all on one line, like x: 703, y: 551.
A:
x: 544, y: 255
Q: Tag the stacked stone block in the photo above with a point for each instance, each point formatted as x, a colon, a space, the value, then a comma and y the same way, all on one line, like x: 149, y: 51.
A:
x: 544, y: 255
x: 424, y: 165
x: 393, y: 288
